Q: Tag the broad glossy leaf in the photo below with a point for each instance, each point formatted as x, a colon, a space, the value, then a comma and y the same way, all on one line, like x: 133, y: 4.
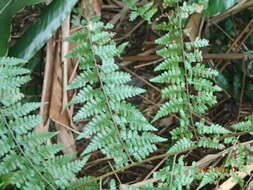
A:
x: 237, y: 82
x: 218, y: 6
x: 223, y: 82
x: 4, y: 4
x: 249, y: 92
x: 39, y: 32
x: 8, y: 8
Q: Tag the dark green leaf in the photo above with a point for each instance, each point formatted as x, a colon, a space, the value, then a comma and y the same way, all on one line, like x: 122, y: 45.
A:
x: 222, y: 81
x: 39, y: 32
x: 249, y: 92
x: 8, y: 8
x: 237, y: 81
x: 218, y: 6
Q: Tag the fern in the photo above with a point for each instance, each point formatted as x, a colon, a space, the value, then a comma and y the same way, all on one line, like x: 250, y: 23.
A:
x: 212, y: 129
x: 246, y: 125
x: 146, y: 11
x: 120, y: 131
x: 190, y: 89
x: 181, y: 145
x: 27, y: 161
x: 209, y: 178
x: 176, y: 177
x: 210, y: 143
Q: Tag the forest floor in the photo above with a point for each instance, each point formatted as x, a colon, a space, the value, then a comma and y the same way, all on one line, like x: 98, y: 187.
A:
x: 230, y: 37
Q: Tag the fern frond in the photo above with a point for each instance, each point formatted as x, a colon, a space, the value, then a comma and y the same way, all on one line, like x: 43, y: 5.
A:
x: 66, y: 173
x: 196, y: 44
x: 210, y: 143
x: 139, y: 145
x: 24, y: 153
x: 12, y: 76
x: 39, y: 153
x: 9, y: 97
x: 199, y: 70
x: 173, y: 106
x: 95, y: 106
x: 10, y: 163
x: 208, y: 178
x: 25, y: 124
x: 176, y: 177
x: 170, y: 36
x: 175, y: 75
x: 11, y: 61
x: 146, y: 11
x: 103, y: 95
x: 190, y: 87
x: 19, y: 110
x: 243, y: 126
x: 34, y: 139
x: 182, y: 131
x: 81, y: 80
x: 181, y: 145
x: 121, y: 92
x: 6, y: 145
x: 174, y: 91
x: 212, y: 129
x: 169, y: 63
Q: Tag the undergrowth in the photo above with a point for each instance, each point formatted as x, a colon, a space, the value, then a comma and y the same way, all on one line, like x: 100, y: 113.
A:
x: 117, y: 128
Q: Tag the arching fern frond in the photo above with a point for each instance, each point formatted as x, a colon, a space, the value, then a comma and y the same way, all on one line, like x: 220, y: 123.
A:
x: 190, y: 83
x: 116, y: 125
x: 190, y: 89
x: 25, y: 156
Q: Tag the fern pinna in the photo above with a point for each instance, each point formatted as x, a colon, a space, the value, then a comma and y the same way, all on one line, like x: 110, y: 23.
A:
x: 120, y: 131
x: 190, y: 87
x: 26, y: 160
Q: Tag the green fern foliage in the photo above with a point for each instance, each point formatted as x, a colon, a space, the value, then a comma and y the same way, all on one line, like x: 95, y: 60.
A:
x: 190, y: 88
x: 246, y: 125
x: 26, y: 160
x: 178, y: 176
x: 212, y: 129
x: 120, y: 131
x: 182, y: 145
x: 12, y: 76
x: 209, y: 177
x: 146, y: 11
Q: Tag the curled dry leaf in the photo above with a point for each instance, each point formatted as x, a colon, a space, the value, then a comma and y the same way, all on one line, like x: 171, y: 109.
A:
x: 91, y: 7
x: 194, y: 23
x: 97, y: 5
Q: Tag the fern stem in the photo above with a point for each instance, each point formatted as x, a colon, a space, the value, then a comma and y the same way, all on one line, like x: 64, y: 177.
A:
x: 172, y: 171
x: 105, y: 95
x: 186, y: 76
x: 241, y: 95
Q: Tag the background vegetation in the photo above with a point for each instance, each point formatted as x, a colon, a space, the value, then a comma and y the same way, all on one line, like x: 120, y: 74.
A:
x: 127, y: 94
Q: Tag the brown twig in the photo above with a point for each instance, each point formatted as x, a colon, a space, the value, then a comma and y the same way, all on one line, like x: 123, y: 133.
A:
x: 140, y: 78
x: 243, y: 36
x: 223, y: 56
x: 239, y: 7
